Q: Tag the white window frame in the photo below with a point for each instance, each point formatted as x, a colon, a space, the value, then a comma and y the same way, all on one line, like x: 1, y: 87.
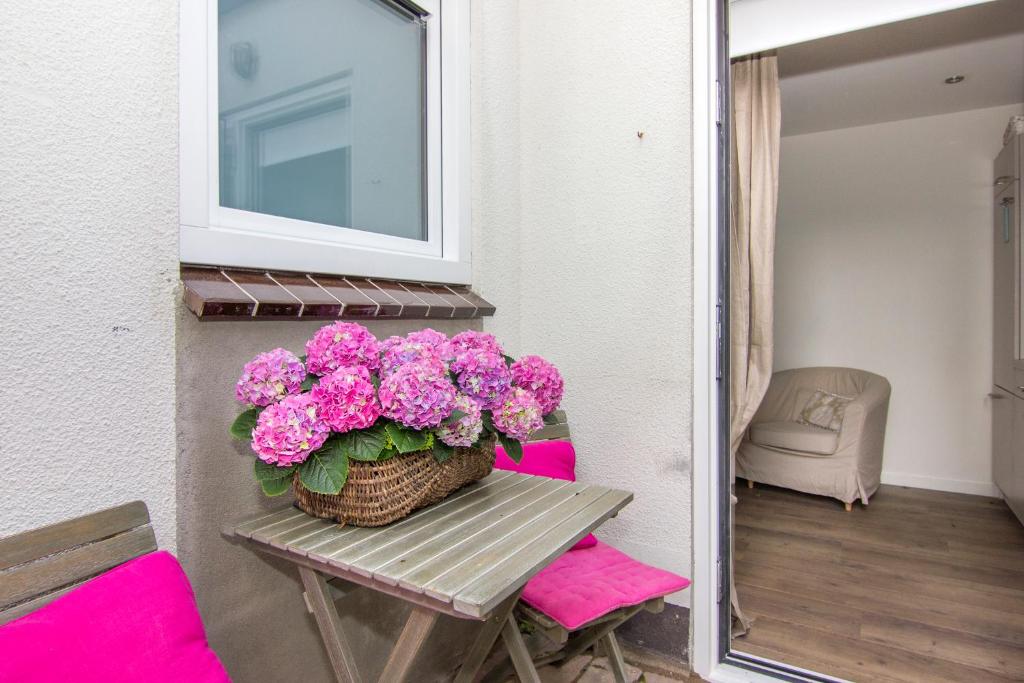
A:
x: 215, y: 235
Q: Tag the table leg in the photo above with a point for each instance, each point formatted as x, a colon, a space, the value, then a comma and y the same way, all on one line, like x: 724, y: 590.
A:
x: 489, y: 632
x: 521, y: 659
x: 327, y: 618
x: 413, y: 636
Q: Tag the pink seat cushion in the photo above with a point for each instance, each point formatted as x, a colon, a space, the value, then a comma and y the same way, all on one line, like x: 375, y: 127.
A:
x: 581, y: 586
x: 137, y: 622
x: 555, y: 459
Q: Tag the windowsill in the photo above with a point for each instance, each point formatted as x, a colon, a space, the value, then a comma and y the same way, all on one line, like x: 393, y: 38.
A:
x: 233, y: 294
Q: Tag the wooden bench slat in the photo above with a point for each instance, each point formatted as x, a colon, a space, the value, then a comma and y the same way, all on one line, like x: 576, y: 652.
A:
x: 23, y: 608
x: 30, y: 579
x: 536, y: 552
x: 264, y: 522
x: 312, y: 527
x: 418, y: 577
x: 501, y: 551
x: 38, y: 543
x: 443, y: 541
x: 550, y: 433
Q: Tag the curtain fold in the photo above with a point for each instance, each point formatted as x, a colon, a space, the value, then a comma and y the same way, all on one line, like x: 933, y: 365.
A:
x: 756, y: 131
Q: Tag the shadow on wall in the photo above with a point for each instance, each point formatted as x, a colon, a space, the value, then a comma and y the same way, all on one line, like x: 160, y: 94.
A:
x: 252, y: 604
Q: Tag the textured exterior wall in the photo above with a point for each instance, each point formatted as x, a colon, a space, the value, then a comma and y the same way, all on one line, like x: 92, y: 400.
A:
x: 587, y: 251
x: 252, y: 604
x: 88, y: 213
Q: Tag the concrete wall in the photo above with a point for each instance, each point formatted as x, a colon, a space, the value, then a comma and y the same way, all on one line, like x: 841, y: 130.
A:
x: 89, y: 199
x: 252, y: 604
x: 587, y: 245
x: 883, y: 262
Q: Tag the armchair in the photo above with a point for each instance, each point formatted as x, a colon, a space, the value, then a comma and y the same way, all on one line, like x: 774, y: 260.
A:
x: 780, y: 451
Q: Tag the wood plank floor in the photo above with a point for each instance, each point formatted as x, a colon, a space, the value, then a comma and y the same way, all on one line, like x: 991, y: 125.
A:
x: 918, y: 586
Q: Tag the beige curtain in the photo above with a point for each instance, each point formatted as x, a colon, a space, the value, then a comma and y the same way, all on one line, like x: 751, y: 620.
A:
x: 754, y: 195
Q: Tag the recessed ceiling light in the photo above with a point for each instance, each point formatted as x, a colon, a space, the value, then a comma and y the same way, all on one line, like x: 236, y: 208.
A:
x: 953, y: 80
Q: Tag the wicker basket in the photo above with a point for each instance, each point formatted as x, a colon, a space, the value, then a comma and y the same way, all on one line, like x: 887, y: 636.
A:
x: 378, y: 493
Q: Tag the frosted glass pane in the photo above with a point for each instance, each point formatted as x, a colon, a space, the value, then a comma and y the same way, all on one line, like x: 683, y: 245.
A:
x: 322, y: 113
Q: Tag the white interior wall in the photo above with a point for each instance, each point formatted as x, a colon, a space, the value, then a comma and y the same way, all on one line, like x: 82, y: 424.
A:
x: 586, y: 236
x: 88, y: 213
x: 757, y: 25
x: 883, y: 262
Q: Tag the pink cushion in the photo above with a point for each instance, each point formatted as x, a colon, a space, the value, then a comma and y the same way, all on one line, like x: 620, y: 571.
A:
x: 137, y: 622
x: 555, y: 459
x: 579, y: 587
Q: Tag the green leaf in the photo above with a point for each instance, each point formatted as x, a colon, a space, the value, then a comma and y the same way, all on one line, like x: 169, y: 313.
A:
x: 363, y: 444
x: 303, y: 358
x: 407, y: 440
x: 455, y: 416
x: 509, y: 360
x: 243, y: 425
x: 550, y: 419
x: 375, y: 380
x: 308, y: 383
x: 325, y: 470
x: 513, y: 448
x: 273, y: 480
x: 387, y: 454
x: 488, y: 421
x: 442, y: 451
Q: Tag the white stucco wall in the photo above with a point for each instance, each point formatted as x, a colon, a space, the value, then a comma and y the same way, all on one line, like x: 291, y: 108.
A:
x: 883, y: 261
x: 88, y: 214
x: 583, y: 236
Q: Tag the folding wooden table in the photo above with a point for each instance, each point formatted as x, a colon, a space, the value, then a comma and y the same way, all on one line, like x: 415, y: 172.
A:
x: 468, y: 556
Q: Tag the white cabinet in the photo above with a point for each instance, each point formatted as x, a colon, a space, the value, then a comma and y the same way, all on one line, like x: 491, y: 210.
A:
x: 1008, y: 340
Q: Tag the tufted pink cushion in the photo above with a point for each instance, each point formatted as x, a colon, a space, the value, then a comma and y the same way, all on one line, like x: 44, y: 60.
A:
x: 137, y: 622
x: 582, y: 586
x: 555, y: 459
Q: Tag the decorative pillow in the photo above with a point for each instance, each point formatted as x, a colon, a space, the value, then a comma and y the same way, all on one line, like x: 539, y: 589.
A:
x: 555, y: 459
x: 825, y: 409
x: 137, y: 622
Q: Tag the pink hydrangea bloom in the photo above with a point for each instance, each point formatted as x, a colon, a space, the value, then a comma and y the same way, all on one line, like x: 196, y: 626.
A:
x: 466, y: 430
x: 346, y: 399
x: 287, y: 432
x: 540, y: 378
x: 403, y: 351
x: 269, y: 377
x: 519, y: 415
x: 471, y: 340
x: 341, y: 345
x: 484, y: 376
x: 417, y: 395
x: 438, y: 340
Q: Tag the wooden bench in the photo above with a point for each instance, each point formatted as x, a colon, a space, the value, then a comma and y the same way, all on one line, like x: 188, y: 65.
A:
x: 39, y: 566
x: 600, y: 631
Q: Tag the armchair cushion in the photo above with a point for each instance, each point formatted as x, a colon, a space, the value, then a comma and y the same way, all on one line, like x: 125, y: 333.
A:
x: 794, y: 436
x: 825, y: 409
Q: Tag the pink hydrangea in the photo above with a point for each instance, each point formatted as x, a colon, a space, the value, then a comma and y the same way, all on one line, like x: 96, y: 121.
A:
x: 540, y: 378
x: 438, y: 340
x: 417, y: 395
x: 269, y: 377
x: 466, y: 430
x: 519, y: 415
x: 471, y: 340
x: 287, y: 432
x: 346, y: 399
x: 484, y: 376
x: 399, y: 351
x: 341, y: 345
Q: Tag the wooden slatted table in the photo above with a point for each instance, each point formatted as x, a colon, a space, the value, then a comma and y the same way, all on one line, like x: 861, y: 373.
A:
x: 468, y: 556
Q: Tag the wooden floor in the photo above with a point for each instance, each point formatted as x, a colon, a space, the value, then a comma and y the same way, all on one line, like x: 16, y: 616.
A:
x: 918, y: 586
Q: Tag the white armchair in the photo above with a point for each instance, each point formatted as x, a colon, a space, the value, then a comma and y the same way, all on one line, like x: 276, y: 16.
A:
x: 780, y: 451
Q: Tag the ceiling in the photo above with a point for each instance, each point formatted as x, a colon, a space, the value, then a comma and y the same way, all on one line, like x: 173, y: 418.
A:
x: 896, y: 71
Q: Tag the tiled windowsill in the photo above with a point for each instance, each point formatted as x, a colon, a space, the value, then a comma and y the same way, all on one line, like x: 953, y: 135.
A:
x: 233, y: 294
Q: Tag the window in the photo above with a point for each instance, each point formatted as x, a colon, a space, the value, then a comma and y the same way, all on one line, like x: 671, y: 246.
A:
x: 326, y: 136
